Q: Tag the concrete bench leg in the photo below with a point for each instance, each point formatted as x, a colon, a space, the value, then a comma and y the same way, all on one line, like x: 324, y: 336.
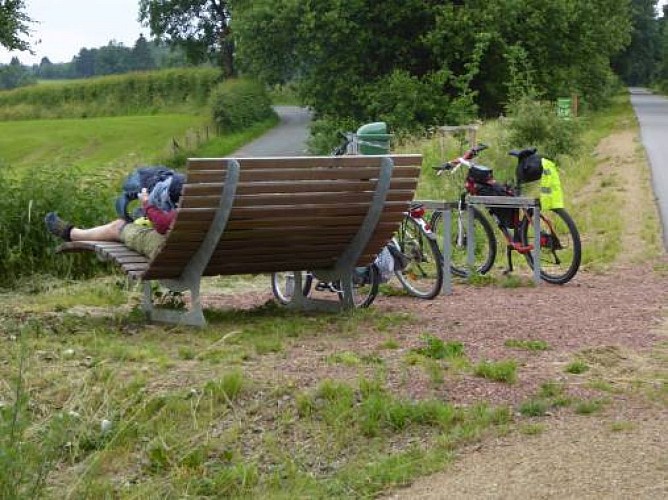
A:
x: 192, y: 317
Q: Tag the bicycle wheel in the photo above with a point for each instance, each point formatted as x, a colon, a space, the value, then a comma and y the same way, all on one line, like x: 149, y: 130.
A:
x: 365, y: 286
x: 485, y: 241
x: 423, y: 274
x: 283, y: 285
x: 560, y: 247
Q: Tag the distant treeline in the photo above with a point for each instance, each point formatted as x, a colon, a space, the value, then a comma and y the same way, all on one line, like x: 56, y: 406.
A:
x: 129, y: 94
x: 114, y: 58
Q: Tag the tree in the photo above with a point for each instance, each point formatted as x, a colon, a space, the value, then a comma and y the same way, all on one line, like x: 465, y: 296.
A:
x: 638, y: 63
x: 84, y: 63
x: 113, y: 58
x: 15, y: 75
x: 432, y: 61
x: 142, y: 57
x: 13, y: 25
x: 200, y: 27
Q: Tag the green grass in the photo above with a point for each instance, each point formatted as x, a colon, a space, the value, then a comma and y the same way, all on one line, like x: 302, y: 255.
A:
x: 498, y: 371
x: 114, y: 144
x: 528, y: 345
x: 577, y: 367
x: 117, y: 143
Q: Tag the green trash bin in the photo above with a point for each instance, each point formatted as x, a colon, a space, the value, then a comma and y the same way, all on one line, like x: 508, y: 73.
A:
x: 564, y: 106
x: 373, y: 139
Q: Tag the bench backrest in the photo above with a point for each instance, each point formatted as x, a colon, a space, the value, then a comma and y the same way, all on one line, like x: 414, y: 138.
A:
x: 288, y: 213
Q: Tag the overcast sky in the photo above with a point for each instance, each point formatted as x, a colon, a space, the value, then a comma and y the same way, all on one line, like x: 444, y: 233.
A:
x: 63, y: 27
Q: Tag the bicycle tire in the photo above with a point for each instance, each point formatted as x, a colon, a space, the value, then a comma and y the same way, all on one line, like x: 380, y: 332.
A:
x: 422, y: 276
x: 364, y: 292
x: 485, y: 241
x: 561, y: 248
x: 280, y: 285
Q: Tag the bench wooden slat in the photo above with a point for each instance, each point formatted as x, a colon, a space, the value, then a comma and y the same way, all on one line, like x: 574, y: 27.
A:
x: 287, y: 213
x: 215, y: 188
x: 277, y: 199
x: 196, y: 164
x: 294, y: 174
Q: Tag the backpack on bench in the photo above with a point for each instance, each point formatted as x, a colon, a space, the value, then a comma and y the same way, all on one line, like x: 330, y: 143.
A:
x: 146, y: 177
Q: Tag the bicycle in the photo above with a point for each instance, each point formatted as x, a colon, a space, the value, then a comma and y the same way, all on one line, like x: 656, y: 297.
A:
x: 366, y: 280
x: 421, y: 274
x: 560, y: 244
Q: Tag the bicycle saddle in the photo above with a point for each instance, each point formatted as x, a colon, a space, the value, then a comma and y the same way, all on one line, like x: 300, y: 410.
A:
x: 522, y: 153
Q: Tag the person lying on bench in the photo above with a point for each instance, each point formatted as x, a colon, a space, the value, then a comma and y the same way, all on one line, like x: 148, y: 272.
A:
x: 146, y: 235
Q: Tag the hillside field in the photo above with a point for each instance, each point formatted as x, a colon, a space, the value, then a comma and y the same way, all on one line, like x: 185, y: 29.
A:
x: 94, y: 142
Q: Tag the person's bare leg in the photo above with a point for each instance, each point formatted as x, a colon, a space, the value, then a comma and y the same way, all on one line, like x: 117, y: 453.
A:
x: 63, y: 229
x: 106, y: 232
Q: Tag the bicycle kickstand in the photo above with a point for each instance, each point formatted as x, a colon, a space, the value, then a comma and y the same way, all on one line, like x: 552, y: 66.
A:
x: 509, y: 255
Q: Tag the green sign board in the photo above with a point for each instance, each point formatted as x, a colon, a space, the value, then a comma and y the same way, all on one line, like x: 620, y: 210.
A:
x: 564, y: 107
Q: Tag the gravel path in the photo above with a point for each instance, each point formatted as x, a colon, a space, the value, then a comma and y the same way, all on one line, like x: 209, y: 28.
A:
x: 579, y: 458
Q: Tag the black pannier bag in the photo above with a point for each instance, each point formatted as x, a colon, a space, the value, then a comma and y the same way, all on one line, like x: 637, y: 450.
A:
x: 480, y: 174
x: 506, y: 216
x: 530, y: 168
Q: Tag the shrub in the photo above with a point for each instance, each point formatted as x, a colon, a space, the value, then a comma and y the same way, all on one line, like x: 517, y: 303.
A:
x: 535, y: 123
x: 324, y: 138
x: 26, y: 248
x: 410, y: 104
x: 237, y: 104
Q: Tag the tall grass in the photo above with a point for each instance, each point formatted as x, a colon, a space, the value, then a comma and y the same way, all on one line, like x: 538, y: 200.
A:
x: 25, y: 246
x: 116, y: 95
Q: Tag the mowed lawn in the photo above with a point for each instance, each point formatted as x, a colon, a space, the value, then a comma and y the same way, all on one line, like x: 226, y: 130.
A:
x: 93, y: 142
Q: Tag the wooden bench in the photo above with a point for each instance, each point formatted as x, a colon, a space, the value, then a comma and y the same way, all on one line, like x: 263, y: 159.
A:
x: 328, y: 214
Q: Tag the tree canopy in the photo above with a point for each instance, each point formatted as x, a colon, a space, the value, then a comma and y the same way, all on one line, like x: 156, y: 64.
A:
x: 14, y: 25
x: 200, y: 27
x: 439, y: 61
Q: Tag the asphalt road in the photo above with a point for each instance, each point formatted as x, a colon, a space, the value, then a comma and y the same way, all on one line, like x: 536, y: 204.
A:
x: 652, y: 113
x: 288, y: 138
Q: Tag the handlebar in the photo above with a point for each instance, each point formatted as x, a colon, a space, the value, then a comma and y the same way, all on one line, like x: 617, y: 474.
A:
x: 465, y: 159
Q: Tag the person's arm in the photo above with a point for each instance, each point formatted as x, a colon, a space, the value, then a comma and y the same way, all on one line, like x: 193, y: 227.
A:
x: 161, y: 220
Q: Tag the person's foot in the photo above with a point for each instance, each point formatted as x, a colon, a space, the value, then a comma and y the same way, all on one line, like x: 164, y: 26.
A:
x: 58, y: 226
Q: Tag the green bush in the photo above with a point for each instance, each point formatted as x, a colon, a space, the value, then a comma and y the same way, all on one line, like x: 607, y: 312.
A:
x: 324, y: 138
x: 239, y: 103
x: 410, y: 104
x: 535, y: 123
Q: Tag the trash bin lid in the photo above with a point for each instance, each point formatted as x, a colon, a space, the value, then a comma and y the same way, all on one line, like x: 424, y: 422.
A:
x: 372, y: 128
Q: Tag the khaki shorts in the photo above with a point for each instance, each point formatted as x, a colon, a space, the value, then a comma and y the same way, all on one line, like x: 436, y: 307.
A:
x: 142, y: 239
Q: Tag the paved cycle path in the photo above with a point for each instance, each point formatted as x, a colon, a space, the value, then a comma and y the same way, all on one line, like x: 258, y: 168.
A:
x: 288, y: 138
x: 652, y: 113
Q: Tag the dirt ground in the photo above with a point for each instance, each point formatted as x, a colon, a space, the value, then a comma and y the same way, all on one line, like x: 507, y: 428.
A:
x: 622, y: 452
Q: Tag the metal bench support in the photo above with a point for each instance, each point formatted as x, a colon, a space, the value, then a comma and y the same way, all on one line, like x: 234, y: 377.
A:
x: 345, y: 266
x: 192, y: 273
